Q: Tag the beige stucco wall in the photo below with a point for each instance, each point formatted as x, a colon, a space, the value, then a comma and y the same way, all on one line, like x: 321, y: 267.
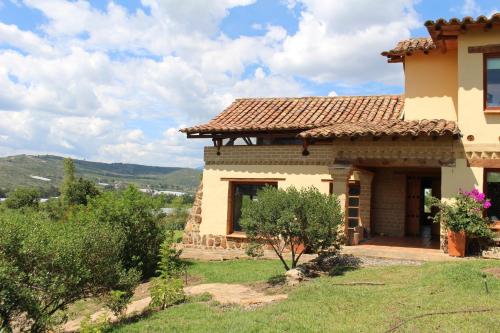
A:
x: 471, y: 117
x: 215, y: 190
x: 431, y: 86
x: 460, y: 177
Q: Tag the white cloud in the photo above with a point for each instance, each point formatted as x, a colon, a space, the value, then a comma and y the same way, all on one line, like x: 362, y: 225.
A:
x: 470, y: 8
x: 24, y: 40
x: 342, y: 41
x: 82, y: 83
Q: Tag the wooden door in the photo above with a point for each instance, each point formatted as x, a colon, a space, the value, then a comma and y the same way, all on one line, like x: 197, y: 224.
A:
x: 413, y: 206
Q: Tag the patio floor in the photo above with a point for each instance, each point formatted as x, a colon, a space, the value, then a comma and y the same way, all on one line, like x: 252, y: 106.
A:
x: 407, y: 248
x: 399, y: 248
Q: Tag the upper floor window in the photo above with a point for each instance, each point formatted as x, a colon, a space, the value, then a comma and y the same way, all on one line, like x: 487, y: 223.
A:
x: 492, y: 81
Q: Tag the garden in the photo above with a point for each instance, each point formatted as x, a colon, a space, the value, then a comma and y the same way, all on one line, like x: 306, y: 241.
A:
x: 91, y: 250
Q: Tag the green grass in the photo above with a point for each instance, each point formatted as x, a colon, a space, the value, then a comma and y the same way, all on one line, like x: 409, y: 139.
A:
x: 321, y: 306
x: 235, y: 271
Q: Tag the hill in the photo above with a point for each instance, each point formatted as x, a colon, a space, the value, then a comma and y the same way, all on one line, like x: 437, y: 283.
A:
x: 46, y: 172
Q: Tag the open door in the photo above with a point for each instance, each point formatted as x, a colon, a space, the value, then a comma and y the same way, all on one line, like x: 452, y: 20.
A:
x: 413, y: 206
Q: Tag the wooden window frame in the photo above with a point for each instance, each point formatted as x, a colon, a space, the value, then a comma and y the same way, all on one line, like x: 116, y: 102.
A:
x: 485, y: 179
x: 358, y: 207
x: 488, y: 109
x: 230, y: 209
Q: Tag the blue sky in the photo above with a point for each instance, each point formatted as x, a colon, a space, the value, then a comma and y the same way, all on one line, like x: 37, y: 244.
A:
x: 114, y: 81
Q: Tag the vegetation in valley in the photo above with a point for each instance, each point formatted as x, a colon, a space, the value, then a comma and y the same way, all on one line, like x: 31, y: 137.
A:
x: 88, y: 243
x: 16, y: 171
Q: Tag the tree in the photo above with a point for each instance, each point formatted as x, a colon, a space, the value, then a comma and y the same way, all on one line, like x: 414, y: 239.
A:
x: 293, y: 220
x: 46, y: 265
x: 80, y: 191
x: 23, y: 197
x: 68, y: 178
x: 137, y: 216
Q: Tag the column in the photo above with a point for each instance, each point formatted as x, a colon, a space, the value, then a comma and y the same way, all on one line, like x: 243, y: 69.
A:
x: 340, y: 175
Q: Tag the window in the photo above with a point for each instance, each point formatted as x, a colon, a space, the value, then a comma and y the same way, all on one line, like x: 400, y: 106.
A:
x: 353, y: 204
x: 492, y: 190
x: 241, y: 193
x: 492, y: 81
x: 427, y: 200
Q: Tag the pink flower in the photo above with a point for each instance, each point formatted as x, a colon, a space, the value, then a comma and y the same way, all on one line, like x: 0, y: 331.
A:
x: 487, y: 204
x: 476, y: 195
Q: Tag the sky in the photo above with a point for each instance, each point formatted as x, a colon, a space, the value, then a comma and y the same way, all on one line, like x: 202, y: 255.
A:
x: 114, y: 81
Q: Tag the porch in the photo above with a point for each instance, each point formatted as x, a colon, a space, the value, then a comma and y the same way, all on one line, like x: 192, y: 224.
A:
x: 388, y: 207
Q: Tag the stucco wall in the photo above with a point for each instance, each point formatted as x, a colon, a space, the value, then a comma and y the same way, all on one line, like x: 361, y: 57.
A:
x: 460, y: 177
x: 431, y: 89
x: 471, y: 117
x: 388, y: 203
x: 215, y: 191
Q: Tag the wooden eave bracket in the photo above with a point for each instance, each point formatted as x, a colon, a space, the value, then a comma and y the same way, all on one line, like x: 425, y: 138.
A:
x: 305, y: 146
x: 217, y: 143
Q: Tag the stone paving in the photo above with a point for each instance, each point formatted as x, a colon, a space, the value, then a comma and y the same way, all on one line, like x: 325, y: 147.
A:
x: 368, y: 251
x: 226, y: 294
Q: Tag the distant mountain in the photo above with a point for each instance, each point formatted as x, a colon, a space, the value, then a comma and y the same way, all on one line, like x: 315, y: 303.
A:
x: 46, y: 172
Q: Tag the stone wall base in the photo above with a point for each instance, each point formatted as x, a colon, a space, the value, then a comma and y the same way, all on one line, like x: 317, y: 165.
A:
x: 217, y: 242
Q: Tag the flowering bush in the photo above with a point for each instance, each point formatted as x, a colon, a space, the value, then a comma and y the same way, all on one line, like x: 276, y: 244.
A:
x: 465, y: 213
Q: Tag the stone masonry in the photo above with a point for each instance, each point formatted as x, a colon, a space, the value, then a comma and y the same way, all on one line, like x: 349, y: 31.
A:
x: 192, y: 237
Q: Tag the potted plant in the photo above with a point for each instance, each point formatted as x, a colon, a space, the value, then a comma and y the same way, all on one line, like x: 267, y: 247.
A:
x: 463, y: 217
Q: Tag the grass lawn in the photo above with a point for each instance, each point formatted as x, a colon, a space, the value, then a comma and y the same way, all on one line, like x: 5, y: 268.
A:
x: 322, y: 306
x: 235, y: 271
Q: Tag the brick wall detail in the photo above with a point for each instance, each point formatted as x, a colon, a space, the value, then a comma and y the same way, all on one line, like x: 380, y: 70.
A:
x: 389, y: 203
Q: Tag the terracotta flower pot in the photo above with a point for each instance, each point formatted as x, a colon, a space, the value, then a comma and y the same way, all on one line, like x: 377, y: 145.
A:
x: 456, y: 243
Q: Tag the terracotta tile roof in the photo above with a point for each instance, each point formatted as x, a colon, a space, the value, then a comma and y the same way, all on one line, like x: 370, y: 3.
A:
x: 409, y: 46
x: 435, y: 127
x: 273, y: 114
x: 468, y: 20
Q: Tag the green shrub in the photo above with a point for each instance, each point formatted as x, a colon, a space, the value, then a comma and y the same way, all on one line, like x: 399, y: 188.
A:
x: 177, y: 219
x: 47, y: 265
x: 464, y: 213
x: 137, y: 216
x: 167, y: 288
x: 254, y: 250
x: 101, y: 325
x: 23, y: 197
x: 287, y: 218
x: 80, y: 191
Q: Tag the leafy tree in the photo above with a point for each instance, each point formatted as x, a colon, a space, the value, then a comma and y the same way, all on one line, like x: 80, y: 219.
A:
x: 23, y: 197
x: 46, y: 265
x: 80, y: 191
x: 68, y: 178
x: 137, y: 216
x: 293, y: 220
x: 167, y: 288
x: 3, y: 193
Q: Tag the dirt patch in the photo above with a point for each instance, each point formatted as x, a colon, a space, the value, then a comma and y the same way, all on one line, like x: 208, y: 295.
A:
x: 226, y: 294
x: 495, y: 271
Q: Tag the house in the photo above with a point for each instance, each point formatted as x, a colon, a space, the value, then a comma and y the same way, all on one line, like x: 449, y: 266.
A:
x: 381, y: 155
